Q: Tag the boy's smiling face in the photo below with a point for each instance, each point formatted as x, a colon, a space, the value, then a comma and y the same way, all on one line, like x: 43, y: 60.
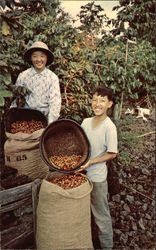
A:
x: 100, y: 104
x: 39, y: 60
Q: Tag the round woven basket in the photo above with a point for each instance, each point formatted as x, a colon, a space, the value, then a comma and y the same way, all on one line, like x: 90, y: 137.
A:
x: 64, y: 137
x: 19, y: 114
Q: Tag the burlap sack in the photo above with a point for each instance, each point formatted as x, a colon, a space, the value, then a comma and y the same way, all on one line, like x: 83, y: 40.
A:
x: 63, y: 217
x: 22, y: 152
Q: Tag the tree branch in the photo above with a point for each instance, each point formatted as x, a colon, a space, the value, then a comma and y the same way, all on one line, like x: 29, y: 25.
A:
x: 149, y: 133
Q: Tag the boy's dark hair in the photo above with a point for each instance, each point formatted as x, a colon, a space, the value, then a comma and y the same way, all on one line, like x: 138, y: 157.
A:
x: 104, y: 91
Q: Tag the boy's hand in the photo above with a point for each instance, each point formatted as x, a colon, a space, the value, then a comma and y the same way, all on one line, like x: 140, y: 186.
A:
x: 83, y: 167
x: 80, y: 169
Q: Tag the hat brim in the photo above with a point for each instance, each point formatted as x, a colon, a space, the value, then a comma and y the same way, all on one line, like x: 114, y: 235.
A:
x: 28, y: 53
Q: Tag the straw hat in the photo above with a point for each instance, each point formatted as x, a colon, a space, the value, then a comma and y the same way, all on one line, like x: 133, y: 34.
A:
x: 38, y: 46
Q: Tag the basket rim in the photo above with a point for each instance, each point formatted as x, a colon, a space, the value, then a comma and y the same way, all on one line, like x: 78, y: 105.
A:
x: 50, y: 165
x: 21, y: 110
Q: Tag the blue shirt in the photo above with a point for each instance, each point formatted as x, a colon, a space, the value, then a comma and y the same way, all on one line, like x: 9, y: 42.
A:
x: 102, y: 139
x: 45, y: 93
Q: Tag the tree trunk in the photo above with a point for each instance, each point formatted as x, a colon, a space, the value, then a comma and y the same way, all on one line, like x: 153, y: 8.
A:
x: 2, y: 140
x: 116, y: 112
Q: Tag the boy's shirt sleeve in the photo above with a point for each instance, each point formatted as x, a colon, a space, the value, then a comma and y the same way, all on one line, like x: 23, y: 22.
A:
x: 112, y: 140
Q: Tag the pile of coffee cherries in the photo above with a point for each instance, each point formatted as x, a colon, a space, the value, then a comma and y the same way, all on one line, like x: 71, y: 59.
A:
x: 65, y: 162
x: 26, y: 126
x: 69, y: 181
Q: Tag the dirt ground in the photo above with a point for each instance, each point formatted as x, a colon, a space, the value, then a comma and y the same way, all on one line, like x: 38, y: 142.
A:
x: 132, y: 209
x: 132, y: 198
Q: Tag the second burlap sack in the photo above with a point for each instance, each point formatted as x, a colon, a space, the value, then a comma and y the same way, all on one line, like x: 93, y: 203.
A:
x: 63, y: 217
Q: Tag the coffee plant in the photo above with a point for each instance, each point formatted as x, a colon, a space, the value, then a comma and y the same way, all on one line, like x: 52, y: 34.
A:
x: 82, y: 60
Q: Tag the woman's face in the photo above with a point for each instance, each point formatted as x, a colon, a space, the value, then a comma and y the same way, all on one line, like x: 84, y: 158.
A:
x: 39, y: 60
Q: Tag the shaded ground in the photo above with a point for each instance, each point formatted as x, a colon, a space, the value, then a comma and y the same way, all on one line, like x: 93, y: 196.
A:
x: 132, y: 207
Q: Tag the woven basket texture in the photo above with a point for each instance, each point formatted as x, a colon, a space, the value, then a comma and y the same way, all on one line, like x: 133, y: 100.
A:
x: 64, y: 138
x: 23, y: 114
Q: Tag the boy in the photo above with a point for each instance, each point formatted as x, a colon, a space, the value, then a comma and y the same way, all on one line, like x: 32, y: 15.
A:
x: 102, y: 134
x: 43, y: 84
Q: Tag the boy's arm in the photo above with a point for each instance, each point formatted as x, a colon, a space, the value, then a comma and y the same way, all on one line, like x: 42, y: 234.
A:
x: 101, y: 158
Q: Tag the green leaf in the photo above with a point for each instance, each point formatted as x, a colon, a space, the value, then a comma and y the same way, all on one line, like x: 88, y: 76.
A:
x: 1, y: 101
x: 5, y: 93
x: 6, y: 78
x: 3, y: 4
x: 5, y: 28
x: 2, y: 63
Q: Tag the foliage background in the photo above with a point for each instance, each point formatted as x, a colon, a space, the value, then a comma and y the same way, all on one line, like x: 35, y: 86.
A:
x: 82, y: 59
